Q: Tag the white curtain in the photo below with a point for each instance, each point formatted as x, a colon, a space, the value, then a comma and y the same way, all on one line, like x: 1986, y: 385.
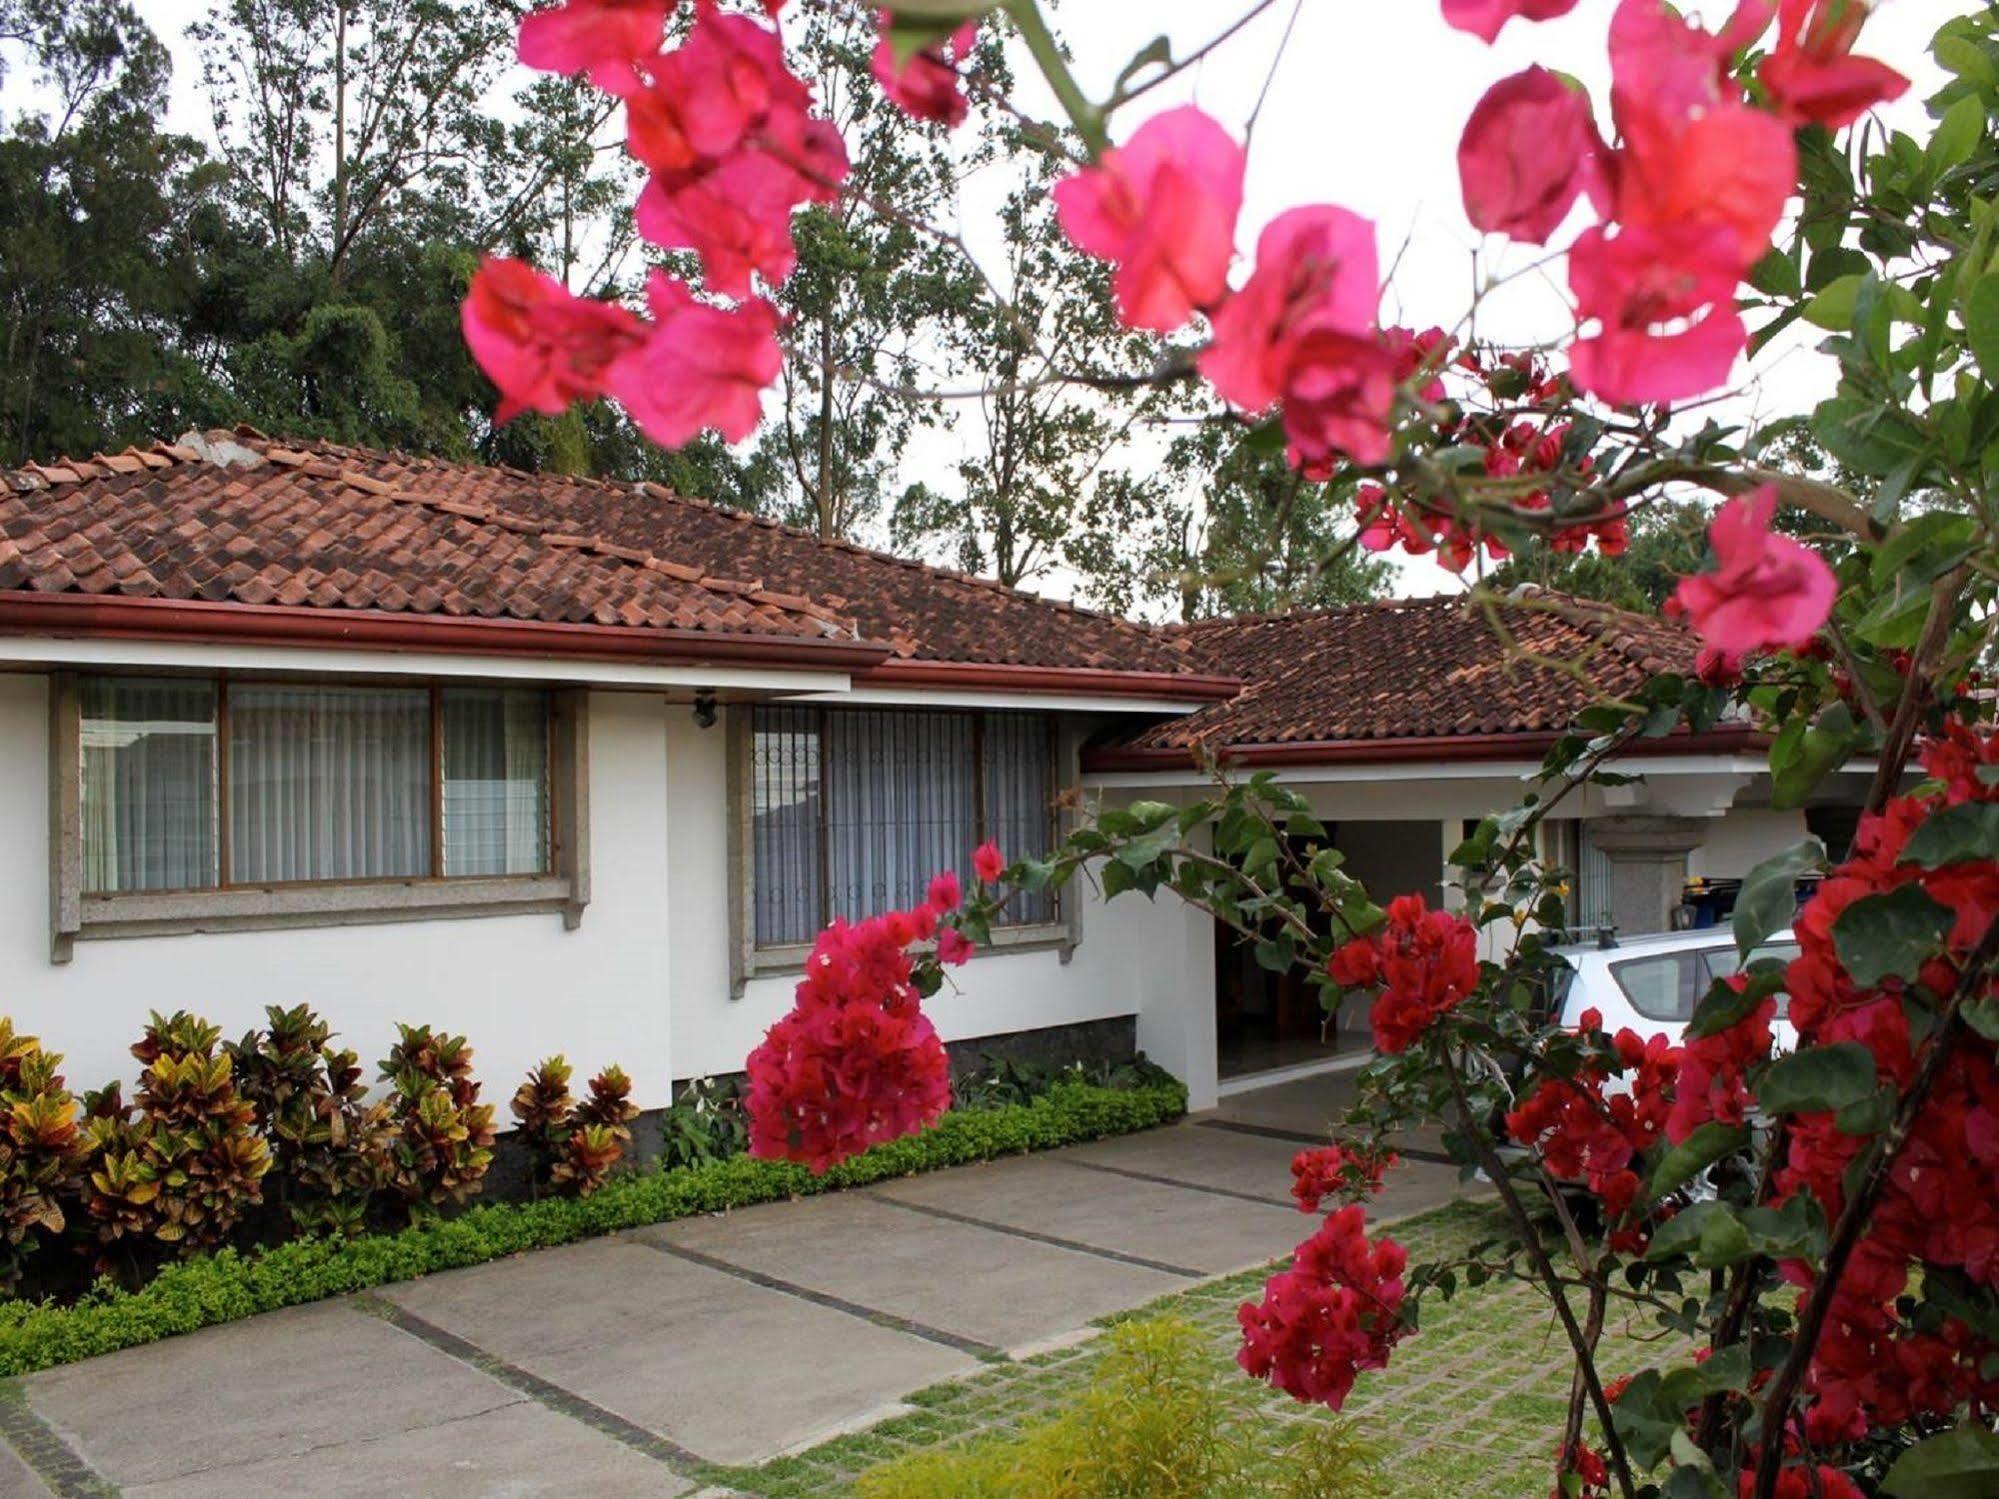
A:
x: 328, y: 783
x: 495, y: 782
x: 148, y: 784
x: 784, y: 825
x: 900, y: 806
x: 1020, y: 792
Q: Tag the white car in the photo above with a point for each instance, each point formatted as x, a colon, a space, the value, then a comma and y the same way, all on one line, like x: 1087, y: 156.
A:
x: 1652, y: 984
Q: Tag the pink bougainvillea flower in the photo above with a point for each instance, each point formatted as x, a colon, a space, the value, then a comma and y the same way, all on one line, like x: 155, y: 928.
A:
x: 1665, y: 300
x: 926, y: 85
x: 543, y: 347
x: 1767, y: 592
x: 953, y: 946
x: 1730, y: 165
x: 1163, y: 208
x: 1484, y: 18
x: 603, y: 38
x: 701, y: 367
x: 944, y: 893
x: 1301, y: 335
x: 1812, y: 73
x: 1335, y: 1312
x: 1529, y: 150
x: 988, y: 863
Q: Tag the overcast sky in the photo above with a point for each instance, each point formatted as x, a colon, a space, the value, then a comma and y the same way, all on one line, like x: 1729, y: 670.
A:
x: 1364, y: 109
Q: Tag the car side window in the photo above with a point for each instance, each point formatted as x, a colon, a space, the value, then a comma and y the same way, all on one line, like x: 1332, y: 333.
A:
x: 1663, y: 987
x: 1721, y: 962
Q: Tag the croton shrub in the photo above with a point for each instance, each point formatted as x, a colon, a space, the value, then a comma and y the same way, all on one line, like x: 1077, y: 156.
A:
x: 272, y: 1136
x: 1818, y: 1230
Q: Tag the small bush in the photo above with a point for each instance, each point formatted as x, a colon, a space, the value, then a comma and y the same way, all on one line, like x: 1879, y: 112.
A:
x: 1156, y: 1422
x: 705, y: 1124
x: 574, y: 1143
x: 444, y: 1139
x: 184, y: 1167
x: 42, y: 1148
x: 329, y: 1145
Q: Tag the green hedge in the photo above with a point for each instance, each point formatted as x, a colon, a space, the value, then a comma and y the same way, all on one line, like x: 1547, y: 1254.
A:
x: 224, y: 1286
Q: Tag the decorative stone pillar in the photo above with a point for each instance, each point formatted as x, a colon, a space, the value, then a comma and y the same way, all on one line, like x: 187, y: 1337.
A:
x: 1648, y: 867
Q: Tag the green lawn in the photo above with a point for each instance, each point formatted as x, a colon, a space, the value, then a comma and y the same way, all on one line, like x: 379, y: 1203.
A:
x: 1470, y: 1408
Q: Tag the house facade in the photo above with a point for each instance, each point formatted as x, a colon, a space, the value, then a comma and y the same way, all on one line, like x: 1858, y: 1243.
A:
x: 575, y: 766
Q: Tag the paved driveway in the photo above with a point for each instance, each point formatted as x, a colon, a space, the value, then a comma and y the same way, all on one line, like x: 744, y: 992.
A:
x: 628, y: 1365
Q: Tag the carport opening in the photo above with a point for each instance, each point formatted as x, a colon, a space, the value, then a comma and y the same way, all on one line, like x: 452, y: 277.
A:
x: 1272, y: 1022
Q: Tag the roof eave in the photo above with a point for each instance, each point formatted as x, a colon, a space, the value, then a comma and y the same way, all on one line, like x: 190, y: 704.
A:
x: 1451, y: 748
x: 102, y: 617
x: 1095, y: 681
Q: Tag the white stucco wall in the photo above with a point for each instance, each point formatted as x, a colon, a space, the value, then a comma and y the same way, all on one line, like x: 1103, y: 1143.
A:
x: 519, y: 987
x: 1744, y: 838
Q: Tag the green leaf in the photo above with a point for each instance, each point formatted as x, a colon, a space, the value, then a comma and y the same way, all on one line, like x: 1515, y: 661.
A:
x: 1815, y: 754
x: 1956, y: 137
x: 1962, y: 1463
x: 1981, y: 323
x: 1700, y: 1150
x: 1719, y: 1234
x: 1982, y: 1015
x: 1929, y: 546
x: 1868, y: 437
x: 1769, y: 898
x: 1955, y: 835
x: 1724, y: 1005
x: 1818, y: 1079
x: 1832, y: 309
x: 1889, y: 935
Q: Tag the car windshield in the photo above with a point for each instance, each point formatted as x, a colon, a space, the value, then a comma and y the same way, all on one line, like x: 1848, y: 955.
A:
x: 1667, y: 986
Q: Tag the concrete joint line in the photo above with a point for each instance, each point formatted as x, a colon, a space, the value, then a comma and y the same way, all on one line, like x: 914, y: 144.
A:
x: 1261, y: 1199
x: 890, y: 1320
x: 58, y: 1465
x: 1073, y: 1245
x: 662, y: 1450
x: 1269, y: 1132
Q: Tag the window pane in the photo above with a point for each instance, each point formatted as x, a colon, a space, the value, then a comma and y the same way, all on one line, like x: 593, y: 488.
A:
x: 1019, y: 787
x: 495, y: 782
x: 328, y: 783
x: 148, y: 785
x: 784, y: 825
x: 1661, y: 988
x: 899, y: 805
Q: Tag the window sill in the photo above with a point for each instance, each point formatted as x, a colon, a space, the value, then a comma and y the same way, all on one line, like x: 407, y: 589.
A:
x: 178, y: 912
x: 1057, y: 936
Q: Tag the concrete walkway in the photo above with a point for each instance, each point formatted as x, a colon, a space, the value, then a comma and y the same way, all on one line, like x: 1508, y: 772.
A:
x: 629, y: 1365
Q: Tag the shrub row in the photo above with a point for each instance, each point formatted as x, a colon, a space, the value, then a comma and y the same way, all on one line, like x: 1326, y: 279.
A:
x: 230, y: 1284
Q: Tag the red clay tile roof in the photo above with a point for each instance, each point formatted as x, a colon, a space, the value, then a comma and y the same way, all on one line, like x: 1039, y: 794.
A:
x: 236, y: 518
x: 329, y: 526
x: 1416, y: 669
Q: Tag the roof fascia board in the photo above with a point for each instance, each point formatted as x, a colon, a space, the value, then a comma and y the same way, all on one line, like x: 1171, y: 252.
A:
x: 862, y: 695
x: 46, y: 653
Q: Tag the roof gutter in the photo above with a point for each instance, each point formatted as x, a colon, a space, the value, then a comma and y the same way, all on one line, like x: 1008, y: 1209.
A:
x: 1093, y: 680
x: 110, y: 617
x: 1454, y: 749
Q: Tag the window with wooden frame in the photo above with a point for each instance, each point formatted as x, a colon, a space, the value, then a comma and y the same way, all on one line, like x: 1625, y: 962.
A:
x: 850, y: 811
x: 263, y: 800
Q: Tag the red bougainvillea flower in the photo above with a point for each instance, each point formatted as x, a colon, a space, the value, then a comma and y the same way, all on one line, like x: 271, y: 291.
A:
x: 1664, y: 300
x: 1800, y: 1483
x: 1586, y: 1464
x: 1163, y: 208
x: 1338, y: 1172
x: 1301, y: 332
x: 603, y: 38
x: 1484, y: 18
x: 1424, y: 963
x: 541, y: 346
x: 1717, y: 668
x: 1713, y: 1070
x: 1334, y: 1313
x: 1529, y: 150
x: 953, y: 946
x: 944, y: 893
x: 988, y: 863
x: 855, y: 1062
x: 926, y: 85
x: 1767, y: 592
x: 701, y: 366
x: 1812, y: 73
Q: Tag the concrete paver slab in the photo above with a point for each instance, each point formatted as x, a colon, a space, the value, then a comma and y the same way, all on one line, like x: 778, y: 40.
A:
x: 271, y: 1387
x: 731, y: 1371
x: 17, y: 1479
x: 1177, y: 1226
x: 1219, y: 1160
x: 994, y: 1288
x: 521, y: 1451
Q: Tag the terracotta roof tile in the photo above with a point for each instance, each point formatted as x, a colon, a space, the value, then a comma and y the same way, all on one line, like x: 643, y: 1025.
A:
x: 235, y: 518
x: 1417, y: 669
